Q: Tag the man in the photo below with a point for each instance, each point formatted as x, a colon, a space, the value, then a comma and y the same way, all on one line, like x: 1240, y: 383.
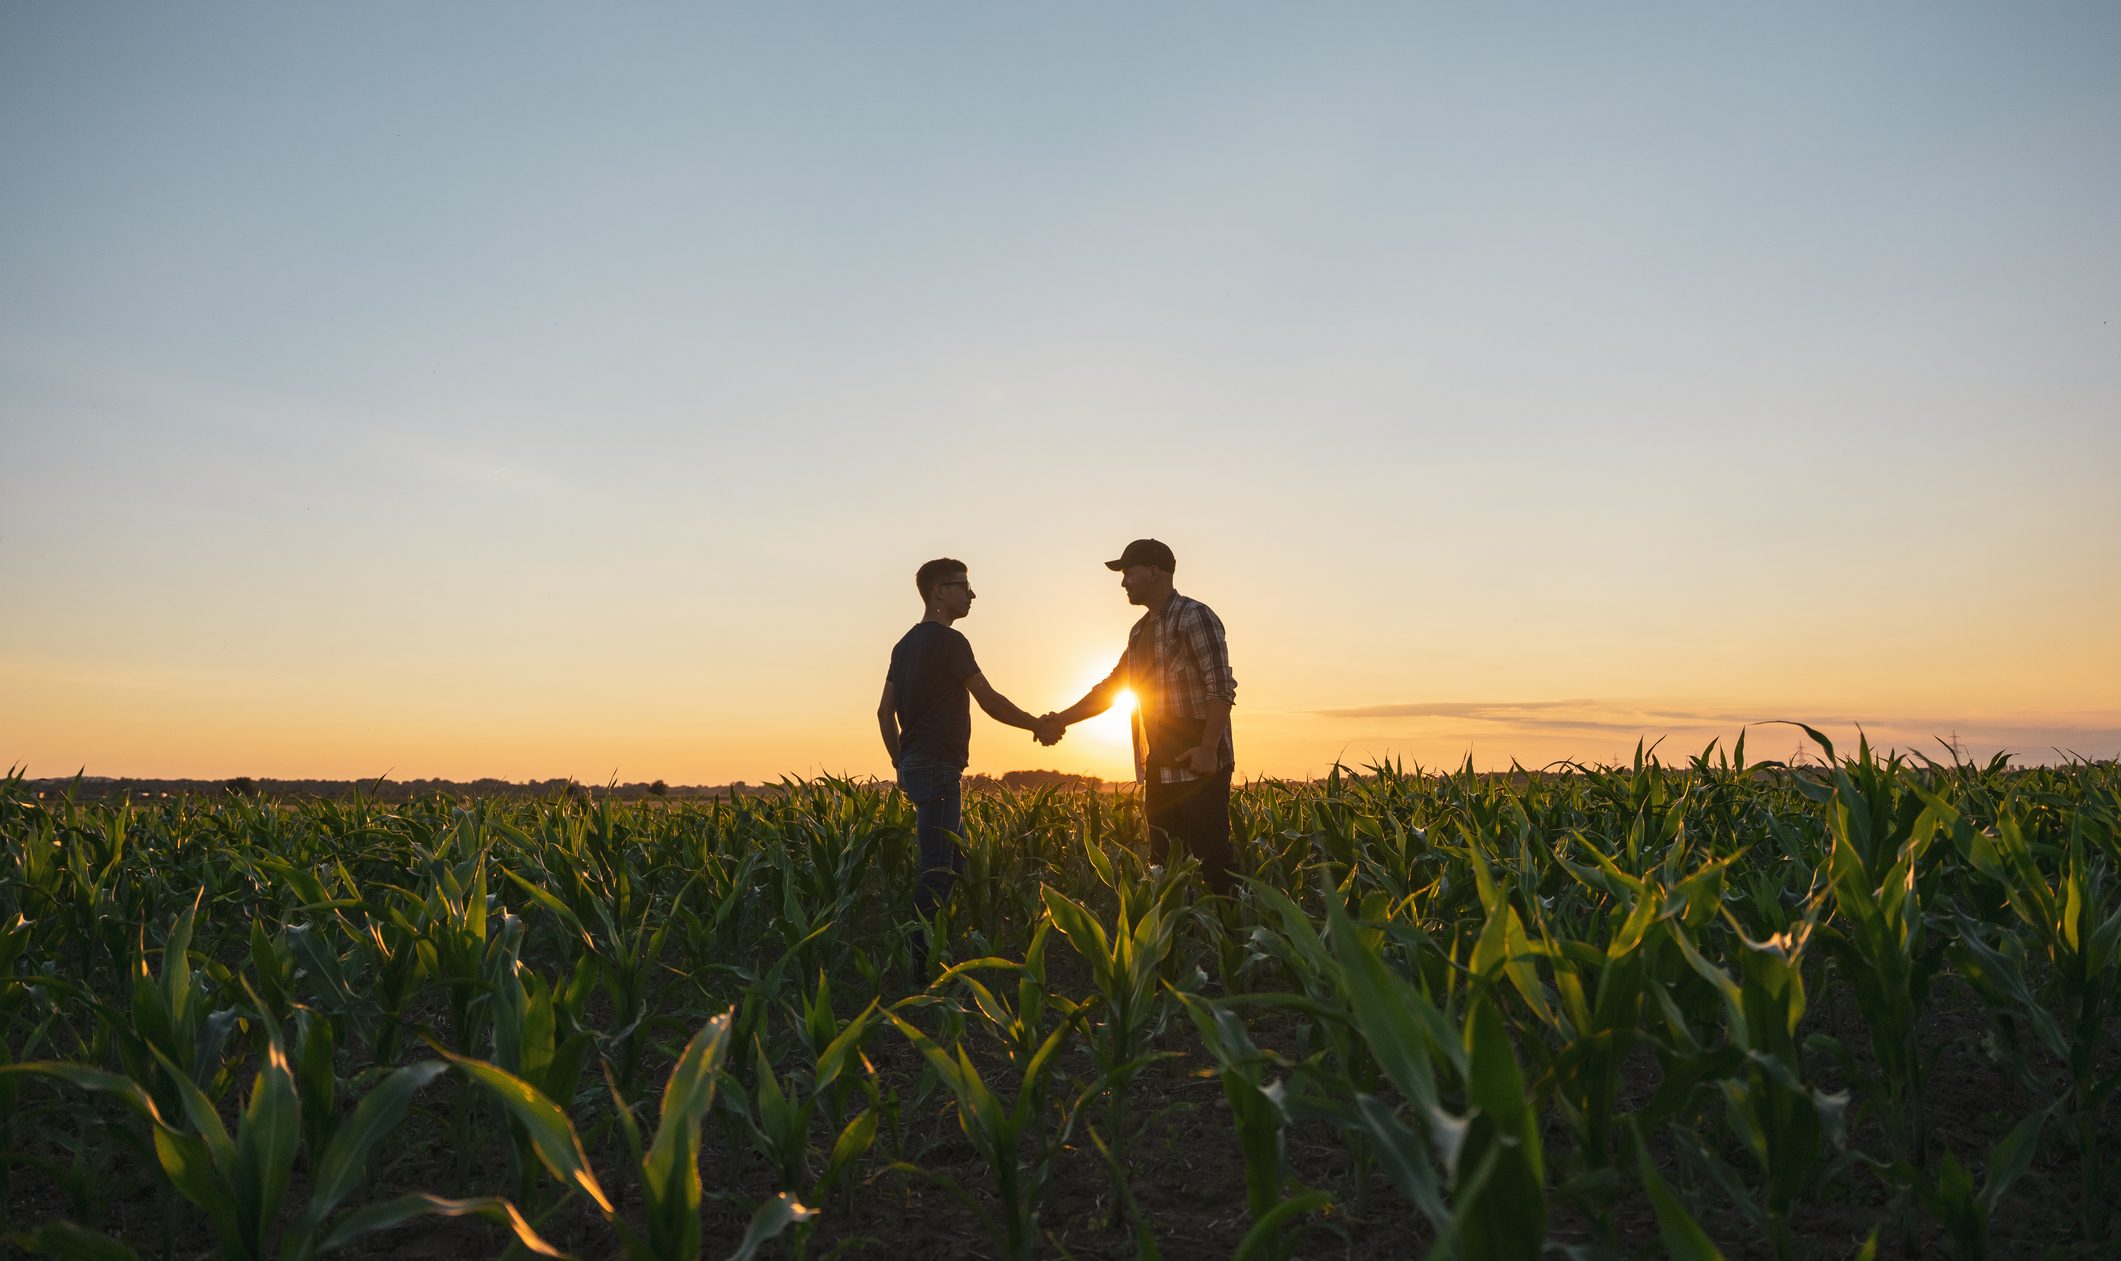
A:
x: 927, y: 724
x: 1177, y: 664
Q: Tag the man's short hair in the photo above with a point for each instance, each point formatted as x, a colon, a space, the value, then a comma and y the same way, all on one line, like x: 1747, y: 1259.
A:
x: 925, y: 578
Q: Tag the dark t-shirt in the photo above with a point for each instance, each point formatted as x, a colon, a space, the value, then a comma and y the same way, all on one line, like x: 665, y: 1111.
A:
x: 929, y: 667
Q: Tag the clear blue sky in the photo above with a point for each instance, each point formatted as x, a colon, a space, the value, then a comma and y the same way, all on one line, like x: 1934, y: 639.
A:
x: 527, y: 390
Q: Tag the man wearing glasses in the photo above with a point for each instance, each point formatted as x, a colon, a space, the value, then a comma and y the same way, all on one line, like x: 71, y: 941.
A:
x: 927, y: 727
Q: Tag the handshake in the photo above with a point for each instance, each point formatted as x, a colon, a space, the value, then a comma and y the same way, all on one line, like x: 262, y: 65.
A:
x: 1048, y: 729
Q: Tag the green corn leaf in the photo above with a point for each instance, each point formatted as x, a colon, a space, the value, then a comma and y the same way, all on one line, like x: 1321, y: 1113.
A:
x: 1081, y: 929
x: 1503, y: 946
x: 1816, y: 736
x: 1405, y: 1155
x: 1633, y: 930
x: 544, y: 897
x: 818, y: 1022
x: 2010, y: 1158
x: 190, y: 1168
x: 1384, y: 1011
x: 671, y: 1170
x: 854, y: 1141
x: 318, y: 1083
x: 552, y: 1135
x: 688, y: 1095
x: 1683, y: 1237
x: 843, y: 1048
x: 80, y: 1076
x: 176, y: 962
x: 2073, y: 900
x: 1260, y: 1241
x: 266, y: 1142
x: 70, y: 1242
x: 989, y: 1006
x: 204, y: 1117
x: 629, y: 1129
x: 1100, y: 862
x: 771, y: 1218
x: 984, y: 1108
x: 345, y: 1163
x: 405, y: 1208
x: 1042, y: 1058
x: 980, y: 1115
x: 1295, y: 924
x: 1508, y: 1216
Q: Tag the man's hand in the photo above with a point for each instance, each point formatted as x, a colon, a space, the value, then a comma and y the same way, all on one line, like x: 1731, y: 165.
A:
x: 1200, y: 759
x: 1049, y: 730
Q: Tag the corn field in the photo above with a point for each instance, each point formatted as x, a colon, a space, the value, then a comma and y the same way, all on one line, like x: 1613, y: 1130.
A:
x: 1863, y: 1007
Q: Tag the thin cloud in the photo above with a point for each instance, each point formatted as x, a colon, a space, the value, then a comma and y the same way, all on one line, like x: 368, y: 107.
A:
x: 1490, y: 711
x: 1581, y: 714
x: 2095, y: 733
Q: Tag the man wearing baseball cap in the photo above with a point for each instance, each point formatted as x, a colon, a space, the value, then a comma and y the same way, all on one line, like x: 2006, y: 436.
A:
x: 1177, y: 664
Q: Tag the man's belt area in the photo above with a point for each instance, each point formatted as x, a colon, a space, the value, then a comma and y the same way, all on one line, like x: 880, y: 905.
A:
x: 1171, y: 737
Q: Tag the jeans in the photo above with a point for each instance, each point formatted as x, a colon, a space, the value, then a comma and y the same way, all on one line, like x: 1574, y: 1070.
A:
x: 936, y: 788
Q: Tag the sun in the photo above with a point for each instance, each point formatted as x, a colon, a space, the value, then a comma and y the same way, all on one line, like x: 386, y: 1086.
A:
x: 1114, y: 727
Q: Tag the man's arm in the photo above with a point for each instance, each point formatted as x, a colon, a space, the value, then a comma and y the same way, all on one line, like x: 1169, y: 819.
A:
x: 998, y: 706
x: 1211, y: 655
x: 887, y: 720
x: 1205, y: 758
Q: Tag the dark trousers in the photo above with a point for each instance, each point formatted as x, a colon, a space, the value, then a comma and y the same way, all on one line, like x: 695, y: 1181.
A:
x: 936, y: 789
x: 1195, y: 814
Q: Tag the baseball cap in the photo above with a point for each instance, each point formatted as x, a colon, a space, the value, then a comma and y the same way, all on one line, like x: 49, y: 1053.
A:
x: 1145, y: 552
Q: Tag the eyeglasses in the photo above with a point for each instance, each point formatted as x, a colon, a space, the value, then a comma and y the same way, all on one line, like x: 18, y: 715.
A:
x: 956, y: 582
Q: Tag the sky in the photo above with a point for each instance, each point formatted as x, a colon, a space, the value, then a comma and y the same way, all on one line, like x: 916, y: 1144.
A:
x: 533, y: 390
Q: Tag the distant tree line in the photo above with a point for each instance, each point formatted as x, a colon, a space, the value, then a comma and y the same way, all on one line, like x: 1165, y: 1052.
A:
x: 109, y: 788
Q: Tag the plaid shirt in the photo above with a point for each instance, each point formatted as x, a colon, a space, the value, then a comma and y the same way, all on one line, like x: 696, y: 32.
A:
x: 1177, y: 661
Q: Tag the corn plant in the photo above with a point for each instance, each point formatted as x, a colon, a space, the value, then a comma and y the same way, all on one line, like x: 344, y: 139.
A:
x: 778, y: 1114
x: 240, y: 1180
x: 1492, y: 1153
x: 668, y: 1165
x: 1880, y: 939
x: 1127, y: 966
x: 1261, y: 1115
x: 1784, y: 1124
x: 175, y: 1036
x: 587, y: 875
x: 2072, y: 925
x: 537, y: 1037
x: 1014, y: 1138
x: 1964, y: 1212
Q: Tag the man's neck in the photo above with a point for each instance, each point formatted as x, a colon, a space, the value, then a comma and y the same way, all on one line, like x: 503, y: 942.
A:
x: 939, y: 617
x: 1170, y: 594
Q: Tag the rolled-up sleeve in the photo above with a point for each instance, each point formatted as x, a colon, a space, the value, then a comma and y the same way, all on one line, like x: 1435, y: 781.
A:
x: 1211, y: 649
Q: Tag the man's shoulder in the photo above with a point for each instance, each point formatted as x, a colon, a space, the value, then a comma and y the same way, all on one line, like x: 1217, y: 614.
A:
x: 1185, y: 606
x: 934, y: 632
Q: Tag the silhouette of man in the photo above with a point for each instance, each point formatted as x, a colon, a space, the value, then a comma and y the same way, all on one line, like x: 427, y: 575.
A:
x: 1177, y: 664
x: 927, y: 726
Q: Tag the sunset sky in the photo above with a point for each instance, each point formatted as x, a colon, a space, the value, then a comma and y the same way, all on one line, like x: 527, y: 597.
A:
x: 523, y: 390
